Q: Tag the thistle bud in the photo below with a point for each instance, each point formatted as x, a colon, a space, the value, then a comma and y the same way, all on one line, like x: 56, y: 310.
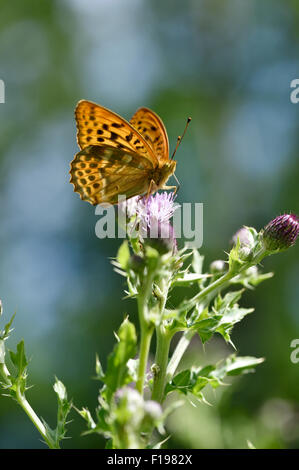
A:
x: 246, y: 241
x: 218, y: 266
x: 152, y: 415
x: 163, y: 239
x: 136, y: 263
x: 245, y: 237
x: 281, y: 233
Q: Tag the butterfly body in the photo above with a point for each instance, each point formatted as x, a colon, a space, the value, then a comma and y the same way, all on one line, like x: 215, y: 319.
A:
x: 118, y: 157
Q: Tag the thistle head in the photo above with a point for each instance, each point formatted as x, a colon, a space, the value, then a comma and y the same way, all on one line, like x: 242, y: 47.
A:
x: 281, y: 233
x: 244, y: 239
x: 154, y: 214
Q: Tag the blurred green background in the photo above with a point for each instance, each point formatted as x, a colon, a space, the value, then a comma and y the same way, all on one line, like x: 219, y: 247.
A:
x: 228, y: 65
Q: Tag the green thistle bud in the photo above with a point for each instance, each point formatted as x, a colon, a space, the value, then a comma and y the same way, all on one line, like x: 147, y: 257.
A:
x: 164, y: 241
x: 218, y: 266
x: 136, y: 263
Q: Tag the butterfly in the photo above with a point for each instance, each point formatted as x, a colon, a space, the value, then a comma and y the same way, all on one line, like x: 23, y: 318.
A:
x: 118, y: 157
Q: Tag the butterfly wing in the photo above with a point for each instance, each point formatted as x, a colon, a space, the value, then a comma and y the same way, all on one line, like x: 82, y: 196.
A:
x: 101, y: 174
x: 151, y: 127
x: 97, y: 125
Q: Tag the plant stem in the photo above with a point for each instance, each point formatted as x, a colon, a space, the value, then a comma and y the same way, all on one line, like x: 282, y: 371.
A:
x: 145, y: 342
x: 21, y: 399
x: 146, y: 330
x: 223, y: 281
x: 206, y: 295
x: 161, y: 361
x: 163, y: 344
x: 214, y: 286
x: 178, y: 353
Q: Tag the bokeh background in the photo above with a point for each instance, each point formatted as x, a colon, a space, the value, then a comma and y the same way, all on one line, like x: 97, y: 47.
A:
x: 227, y: 64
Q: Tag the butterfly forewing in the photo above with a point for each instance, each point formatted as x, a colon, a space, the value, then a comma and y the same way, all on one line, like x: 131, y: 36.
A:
x: 100, y: 174
x: 150, y: 126
x: 97, y: 125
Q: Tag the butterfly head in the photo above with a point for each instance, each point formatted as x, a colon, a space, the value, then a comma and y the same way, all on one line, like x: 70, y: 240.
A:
x: 164, y: 172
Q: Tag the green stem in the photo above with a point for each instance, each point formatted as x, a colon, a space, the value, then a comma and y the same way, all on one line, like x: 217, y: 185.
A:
x: 178, y: 353
x: 21, y: 399
x: 146, y: 330
x: 161, y: 361
x: 145, y: 342
x: 205, y: 296
x: 214, y: 286
x: 162, y: 347
x: 221, y: 282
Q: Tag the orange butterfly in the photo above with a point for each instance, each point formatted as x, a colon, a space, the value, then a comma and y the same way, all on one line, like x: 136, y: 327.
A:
x: 119, y: 157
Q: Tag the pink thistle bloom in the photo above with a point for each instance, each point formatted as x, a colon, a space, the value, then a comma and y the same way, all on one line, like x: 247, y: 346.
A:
x: 154, y: 214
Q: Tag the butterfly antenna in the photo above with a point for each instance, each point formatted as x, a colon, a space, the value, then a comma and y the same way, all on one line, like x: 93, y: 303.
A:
x: 179, y: 139
x: 178, y: 186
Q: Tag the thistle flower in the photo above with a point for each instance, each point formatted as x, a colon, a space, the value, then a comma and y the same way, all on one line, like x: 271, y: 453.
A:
x: 154, y: 213
x: 281, y: 233
x: 157, y: 208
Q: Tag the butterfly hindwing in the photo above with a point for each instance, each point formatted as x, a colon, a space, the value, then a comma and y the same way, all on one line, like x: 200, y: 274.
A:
x: 151, y: 127
x: 97, y: 125
x: 100, y: 174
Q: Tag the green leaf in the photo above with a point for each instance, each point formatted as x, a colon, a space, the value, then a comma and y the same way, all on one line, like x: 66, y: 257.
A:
x: 197, y: 262
x: 251, y: 277
x: 86, y: 415
x: 64, y: 407
x: 2, y: 351
x: 19, y: 359
x: 235, y: 365
x: 60, y: 391
x: 225, y: 314
x: 123, y: 255
x: 182, y: 379
x: 206, y: 325
x: 117, y: 373
x: 195, y: 380
x: 132, y: 365
x: 99, y: 370
x: 229, y: 319
x: 109, y: 444
x: 235, y: 262
x: 229, y: 300
x: 189, y: 278
x: 4, y: 334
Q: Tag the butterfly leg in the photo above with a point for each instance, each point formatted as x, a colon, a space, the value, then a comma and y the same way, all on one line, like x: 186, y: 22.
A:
x: 151, y: 189
x: 175, y: 188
